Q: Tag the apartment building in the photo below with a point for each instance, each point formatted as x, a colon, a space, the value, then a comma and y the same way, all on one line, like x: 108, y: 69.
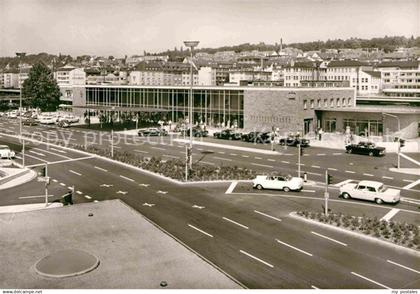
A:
x: 296, y: 72
x: 70, y: 75
x: 11, y: 79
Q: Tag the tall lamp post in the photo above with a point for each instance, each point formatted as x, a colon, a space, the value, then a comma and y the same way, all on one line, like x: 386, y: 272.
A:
x: 20, y: 55
x: 191, y: 45
x: 399, y: 129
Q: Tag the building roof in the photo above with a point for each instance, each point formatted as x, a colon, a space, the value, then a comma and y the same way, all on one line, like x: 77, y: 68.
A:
x: 375, y: 109
x: 400, y: 64
x: 375, y: 74
x: 345, y: 63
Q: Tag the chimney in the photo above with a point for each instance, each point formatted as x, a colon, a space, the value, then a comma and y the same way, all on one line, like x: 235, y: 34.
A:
x: 281, y: 44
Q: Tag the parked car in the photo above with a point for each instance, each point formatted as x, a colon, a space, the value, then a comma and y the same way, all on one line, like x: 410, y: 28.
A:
x: 149, y: 132
x: 366, y: 148
x: 47, y: 119
x: 29, y: 121
x: 285, y: 183
x: 63, y: 124
x: 257, y: 137
x: 12, y: 114
x: 196, y: 132
x: 370, y: 190
x: 69, y: 118
x: 228, y: 134
x: 5, y: 152
x: 294, y: 141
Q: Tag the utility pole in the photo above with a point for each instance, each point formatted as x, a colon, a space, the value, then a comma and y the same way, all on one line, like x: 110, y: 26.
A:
x: 112, y: 143
x: 299, y: 152
x: 21, y: 55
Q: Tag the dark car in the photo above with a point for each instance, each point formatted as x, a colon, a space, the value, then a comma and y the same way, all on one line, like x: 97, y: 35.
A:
x: 228, y: 135
x: 294, y: 141
x: 152, y: 132
x: 257, y: 137
x: 63, y: 124
x: 29, y: 121
x: 196, y: 132
x: 366, y: 148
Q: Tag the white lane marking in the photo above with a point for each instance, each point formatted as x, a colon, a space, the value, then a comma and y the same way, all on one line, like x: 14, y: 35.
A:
x: 293, y: 247
x: 302, y: 164
x: 34, y: 196
x: 221, y: 152
x: 315, y: 166
x: 198, y: 207
x: 337, y: 153
x: 201, y: 149
x: 221, y: 158
x: 126, y: 178
x: 403, y: 266
x: 200, y: 230
x: 162, y: 192
x: 18, y: 157
x: 321, y: 154
x: 57, y: 150
x: 140, y: 151
x: 245, y: 156
x: 350, y: 172
x: 73, y: 172
x: 148, y: 204
x: 100, y: 168
x: 369, y: 175
x: 233, y: 154
x: 231, y: 187
x: 256, y: 258
x: 269, y: 159
x: 308, y: 191
x: 263, y: 165
x: 236, y: 223
x: 331, y: 168
x: 37, y: 153
x: 54, y: 180
x: 390, y: 178
x: 88, y: 197
x: 62, y: 184
x: 122, y: 192
x: 313, y: 287
x: 372, y: 281
x: 79, y: 192
x: 408, y: 181
x: 283, y: 161
x: 171, y: 156
x: 158, y: 148
x: 390, y: 214
x: 342, y: 183
x: 256, y: 157
x: 288, y: 154
x: 267, y: 215
x: 206, y: 162
x: 409, y: 186
x: 144, y: 185
x: 105, y: 185
x: 53, y: 153
x: 328, y: 238
x: 95, y: 201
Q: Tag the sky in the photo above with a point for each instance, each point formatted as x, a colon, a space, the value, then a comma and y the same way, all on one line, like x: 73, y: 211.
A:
x: 127, y: 27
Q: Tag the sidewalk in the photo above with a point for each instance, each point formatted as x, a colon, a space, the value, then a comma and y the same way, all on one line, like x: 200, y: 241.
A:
x: 28, y: 207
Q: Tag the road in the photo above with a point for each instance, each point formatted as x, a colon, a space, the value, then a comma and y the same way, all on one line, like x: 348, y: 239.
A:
x: 247, y: 234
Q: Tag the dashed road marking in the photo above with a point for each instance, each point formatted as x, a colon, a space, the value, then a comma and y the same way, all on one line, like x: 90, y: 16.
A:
x: 342, y: 183
x: 126, y: 178
x: 221, y: 152
x: 236, y: 223
x: 231, y: 187
x: 315, y: 166
x: 206, y: 162
x: 122, y: 192
x: 88, y: 197
x: 100, y: 168
x: 328, y: 238
x: 37, y: 153
x: 246, y: 156
x: 390, y: 214
x: 106, y: 185
x: 62, y: 184
x: 158, y: 148
x: 73, y: 172
x: 148, y: 204
x: 331, y: 168
x: 337, y: 153
x: 144, y: 185
x: 171, y: 156
x: 162, y: 192
x: 372, y: 281
x: 200, y: 230
x: 256, y: 157
x: 313, y: 287
x: 233, y: 154
x: 386, y: 177
x: 293, y: 247
x: 256, y: 258
x: 321, y: 154
x: 283, y: 161
x: 221, y: 158
x: 54, y: 180
x: 308, y: 191
x: 403, y: 266
x: 79, y: 192
x: 140, y: 151
x: 263, y: 165
x: 413, y: 184
x: 198, y: 207
x: 369, y: 175
x: 350, y: 172
x: 267, y: 215
x: 270, y: 159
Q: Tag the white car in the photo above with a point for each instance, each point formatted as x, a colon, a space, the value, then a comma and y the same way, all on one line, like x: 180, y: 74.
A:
x: 5, y: 152
x: 285, y: 183
x: 47, y: 119
x: 370, y: 190
x: 70, y: 118
x: 12, y: 114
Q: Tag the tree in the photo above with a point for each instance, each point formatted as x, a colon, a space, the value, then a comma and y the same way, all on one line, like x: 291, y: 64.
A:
x: 40, y: 89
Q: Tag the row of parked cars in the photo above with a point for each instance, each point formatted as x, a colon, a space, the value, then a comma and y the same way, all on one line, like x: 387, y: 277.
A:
x: 32, y: 118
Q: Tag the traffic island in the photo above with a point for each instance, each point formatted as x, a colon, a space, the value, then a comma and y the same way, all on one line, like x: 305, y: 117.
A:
x: 12, y: 176
x: 400, y: 234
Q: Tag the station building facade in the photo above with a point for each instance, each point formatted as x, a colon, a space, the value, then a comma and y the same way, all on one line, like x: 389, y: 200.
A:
x: 249, y: 108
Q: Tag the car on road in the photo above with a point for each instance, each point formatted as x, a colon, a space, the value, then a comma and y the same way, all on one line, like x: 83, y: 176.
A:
x: 294, y: 141
x: 257, y: 137
x: 149, y: 132
x: 5, y: 152
x: 366, y: 148
x: 47, y: 119
x: 370, y: 190
x: 285, y: 183
x: 63, y: 124
x: 69, y: 118
x: 228, y: 134
x: 29, y: 121
x: 12, y: 114
x: 196, y: 132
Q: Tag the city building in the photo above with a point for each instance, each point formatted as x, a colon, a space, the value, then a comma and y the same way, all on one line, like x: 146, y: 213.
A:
x: 11, y: 79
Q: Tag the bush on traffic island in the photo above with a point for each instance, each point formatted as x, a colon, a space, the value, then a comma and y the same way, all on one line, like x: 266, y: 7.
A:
x: 404, y: 234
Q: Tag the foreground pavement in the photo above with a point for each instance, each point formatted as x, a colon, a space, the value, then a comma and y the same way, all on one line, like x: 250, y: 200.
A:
x: 247, y: 234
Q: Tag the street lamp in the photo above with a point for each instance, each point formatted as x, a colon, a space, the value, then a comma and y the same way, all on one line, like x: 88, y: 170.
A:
x: 20, y: 55
x: 191, y: 45
x: 399, y: 129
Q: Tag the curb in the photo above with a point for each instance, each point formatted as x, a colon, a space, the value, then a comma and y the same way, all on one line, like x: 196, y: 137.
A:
x: 122, y: 163
x: 356, y: 234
